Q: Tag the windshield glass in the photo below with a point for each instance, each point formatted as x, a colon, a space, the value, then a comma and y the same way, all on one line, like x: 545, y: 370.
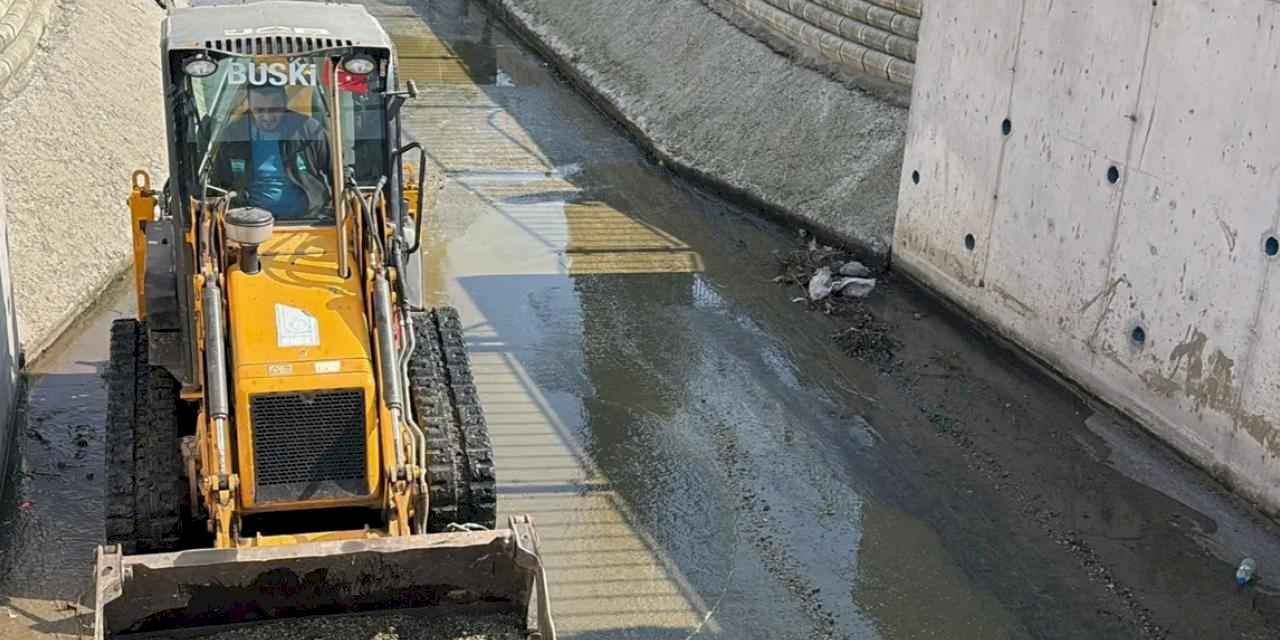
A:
x: 260, y: 127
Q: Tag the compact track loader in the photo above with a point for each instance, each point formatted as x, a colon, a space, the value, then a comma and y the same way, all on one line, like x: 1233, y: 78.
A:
x: 290, y: 431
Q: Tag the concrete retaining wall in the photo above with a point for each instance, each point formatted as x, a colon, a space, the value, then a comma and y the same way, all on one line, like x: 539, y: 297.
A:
x: 91, y: 113
x: 715, y: 103
x: 9, y: 376
x: 876, y: 38
x: 1099, y: 181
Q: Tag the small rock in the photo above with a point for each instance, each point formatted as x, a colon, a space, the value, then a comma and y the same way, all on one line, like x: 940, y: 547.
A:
x: 855, y: 287
x: 854, y: 269
x: 820, y: 285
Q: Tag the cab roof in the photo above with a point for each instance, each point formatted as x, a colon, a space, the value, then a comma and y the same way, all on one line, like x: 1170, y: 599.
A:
x: 252, y: 27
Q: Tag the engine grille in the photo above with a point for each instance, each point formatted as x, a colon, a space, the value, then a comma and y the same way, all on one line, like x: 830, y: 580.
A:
x: 275, y: 45
x: 308, y: 446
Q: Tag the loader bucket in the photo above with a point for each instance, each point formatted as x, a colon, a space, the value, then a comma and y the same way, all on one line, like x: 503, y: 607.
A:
x: 192, y: 593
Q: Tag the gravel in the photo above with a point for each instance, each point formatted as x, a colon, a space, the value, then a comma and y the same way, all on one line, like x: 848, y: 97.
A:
x: 397, y: 626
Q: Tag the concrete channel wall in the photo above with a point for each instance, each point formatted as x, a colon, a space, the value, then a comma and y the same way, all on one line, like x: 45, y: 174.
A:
x: 22, y: 25
x: 85, y: 111
x: 713, y: 102
x: 1099, y: 181
x: 9, y: 366
x: 875, y: 37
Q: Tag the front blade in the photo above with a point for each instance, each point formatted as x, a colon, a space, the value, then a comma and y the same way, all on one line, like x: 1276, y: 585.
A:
x: 489, y: 570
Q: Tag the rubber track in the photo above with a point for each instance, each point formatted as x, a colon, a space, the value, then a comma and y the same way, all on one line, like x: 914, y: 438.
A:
x: 480, y: 506
x: 122, y: 397
x: 143, y: 461
x: 157, y: 459
x: 429, y: 393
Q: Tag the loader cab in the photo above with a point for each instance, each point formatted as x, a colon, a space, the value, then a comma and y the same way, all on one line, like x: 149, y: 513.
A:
x: 261, y: 126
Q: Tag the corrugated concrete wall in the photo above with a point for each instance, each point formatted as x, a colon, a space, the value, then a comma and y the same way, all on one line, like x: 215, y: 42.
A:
x: 876, y: 37
x: 1099, y: 181
x: 22, y: 23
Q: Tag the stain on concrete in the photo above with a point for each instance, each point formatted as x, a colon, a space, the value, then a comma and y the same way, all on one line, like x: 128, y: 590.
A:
x: 1018, y: 306
x: 1227, y: 232
x: 1208, y: 382
x: 1108, y: 293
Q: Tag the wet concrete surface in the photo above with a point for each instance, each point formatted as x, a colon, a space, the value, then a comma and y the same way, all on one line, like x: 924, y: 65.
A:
x: 699, y: 456
x: 52, y: 515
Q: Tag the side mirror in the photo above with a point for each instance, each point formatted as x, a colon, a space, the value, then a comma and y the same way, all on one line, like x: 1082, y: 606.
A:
x: 249, y: 227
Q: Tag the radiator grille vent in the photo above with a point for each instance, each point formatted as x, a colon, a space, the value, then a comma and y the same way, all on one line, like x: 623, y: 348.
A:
x: 309, y: 445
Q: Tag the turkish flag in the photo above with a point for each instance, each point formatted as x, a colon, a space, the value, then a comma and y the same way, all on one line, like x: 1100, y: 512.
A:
x: 346, y: 81
x: 352, y: 82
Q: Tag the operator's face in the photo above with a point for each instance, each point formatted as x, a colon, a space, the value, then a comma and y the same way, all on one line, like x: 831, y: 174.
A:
x: 267, y: 109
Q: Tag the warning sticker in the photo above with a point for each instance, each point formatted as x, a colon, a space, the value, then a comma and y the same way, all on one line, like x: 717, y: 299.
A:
x: 296, y: 328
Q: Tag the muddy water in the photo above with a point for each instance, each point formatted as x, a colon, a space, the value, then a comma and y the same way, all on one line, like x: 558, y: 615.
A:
x: 699, y: 458
x: 52, y: 518
x: 658, y: 433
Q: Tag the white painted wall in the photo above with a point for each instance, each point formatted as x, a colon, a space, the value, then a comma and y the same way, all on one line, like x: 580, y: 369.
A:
x: 1183, y: 98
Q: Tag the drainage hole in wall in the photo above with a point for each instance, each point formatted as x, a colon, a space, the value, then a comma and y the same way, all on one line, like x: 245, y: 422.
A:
x: 969, y: 241
x: 1113, y: 175
x: 1139, y: 336
x: 915, y: 177
x: 1271, y: 246
x: 1006, y: 127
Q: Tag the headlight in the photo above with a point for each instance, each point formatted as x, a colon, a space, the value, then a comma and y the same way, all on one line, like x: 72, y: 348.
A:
x: 359, y: 65
x: 200, y: 67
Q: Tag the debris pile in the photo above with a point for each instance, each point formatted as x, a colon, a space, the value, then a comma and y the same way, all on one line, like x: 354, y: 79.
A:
x: 834, y: 282
x: 828, y: 276
x: 868, y: 339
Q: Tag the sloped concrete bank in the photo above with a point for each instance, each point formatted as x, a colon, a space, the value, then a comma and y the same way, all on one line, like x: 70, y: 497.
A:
x: 88, y: 114
x: 717, y: 105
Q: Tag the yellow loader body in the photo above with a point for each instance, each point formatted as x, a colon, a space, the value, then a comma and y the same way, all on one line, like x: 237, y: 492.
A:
x: 291, y: 431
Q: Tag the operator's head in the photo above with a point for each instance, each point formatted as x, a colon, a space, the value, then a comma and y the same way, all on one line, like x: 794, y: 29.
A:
x: 267, y: 103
